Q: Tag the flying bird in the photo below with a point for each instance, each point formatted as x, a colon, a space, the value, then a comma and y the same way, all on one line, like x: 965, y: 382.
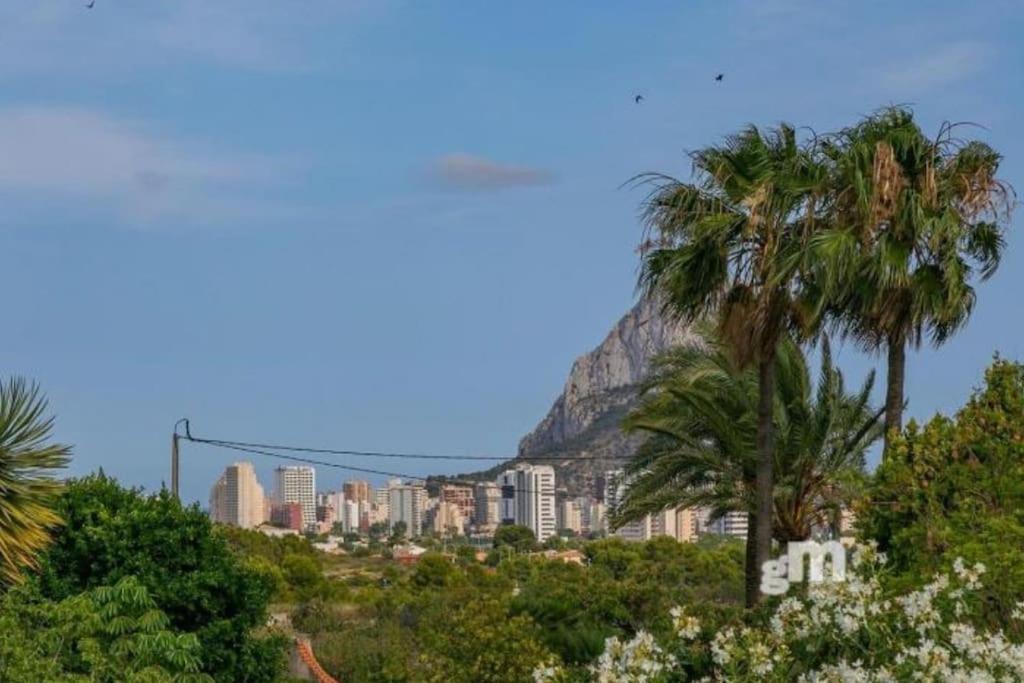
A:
x: 90, y: 4
x: 719, y: 77
x: 638, y: 99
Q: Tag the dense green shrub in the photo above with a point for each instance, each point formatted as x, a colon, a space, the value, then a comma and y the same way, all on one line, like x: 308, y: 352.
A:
x: 186, y: 566
x: 955, y: 488
x: 105, y: 635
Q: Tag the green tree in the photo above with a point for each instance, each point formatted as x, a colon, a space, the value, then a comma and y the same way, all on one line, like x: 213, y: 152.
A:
x: 955, y: 488
x: 913, y: 221
x: 399, y: 531
x: 519, y: 538
x: 302, y: 573
x: 378, y: 530
x: 699, y: 409
x: 107, y: 635
x: 184, y: 563
x: 478, y: 642
x: 728, y: 243
x: 28, y: 491
x: 433, y: 570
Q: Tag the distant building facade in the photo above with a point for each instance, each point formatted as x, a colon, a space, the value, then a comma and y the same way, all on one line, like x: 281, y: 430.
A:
x: 447, y: 519
x: 460, y: 496
x: 507, y: 485
x: 594, y: 516
x: 729, y: 524
x: 570, y: 515
x: 357, y: 490
x: 535, y: 499
x: 297, y: 485
x: 237, y: 497
x: 287, y: 516
x: 487, y: 506
x: 406, y: 503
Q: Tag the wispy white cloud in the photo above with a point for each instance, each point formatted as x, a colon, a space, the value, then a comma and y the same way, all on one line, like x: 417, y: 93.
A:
x: 467, y: 172
x: 53, y: 154
x: 950, y: 63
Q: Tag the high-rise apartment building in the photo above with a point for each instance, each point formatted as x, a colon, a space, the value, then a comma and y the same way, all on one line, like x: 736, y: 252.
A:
x: 729, y: 524
x: 295, y: 484
x: 406, y: 503
x: 682, y: 524
x: 358, y: 490
x: 447, y: 519
x: 507, y: 485
x: 535, y: 499
x: 594, y: 516
x: 237, y: 497
x: 487, y: 506
x: 687, y: 525
x: 219, y: 501
x: 614, y: 487
x: 460, y: 496
x: 571, y: 515
x: 350, y: 516
x: 380, y: 509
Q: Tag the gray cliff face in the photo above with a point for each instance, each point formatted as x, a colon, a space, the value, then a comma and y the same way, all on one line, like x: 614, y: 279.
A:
x: 601, y: 388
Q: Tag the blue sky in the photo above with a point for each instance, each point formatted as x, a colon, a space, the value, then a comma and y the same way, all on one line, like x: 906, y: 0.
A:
x: 392, y: 225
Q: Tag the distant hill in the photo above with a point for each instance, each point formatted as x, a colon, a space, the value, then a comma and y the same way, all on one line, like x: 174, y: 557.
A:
x: 601, y: 388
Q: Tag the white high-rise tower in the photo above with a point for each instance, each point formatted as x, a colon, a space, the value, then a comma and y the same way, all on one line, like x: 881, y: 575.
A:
x: 297, y: 485
x: 535, y: 499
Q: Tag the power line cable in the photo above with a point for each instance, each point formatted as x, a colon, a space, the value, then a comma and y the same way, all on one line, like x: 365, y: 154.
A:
x: 308, y: 461
x: 385, y: 454
x: 442, y: 479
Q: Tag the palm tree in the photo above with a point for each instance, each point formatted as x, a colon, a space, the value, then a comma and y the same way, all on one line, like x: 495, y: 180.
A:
x: 912, y: 222
x: 723, y: 245
x: 28, y: 490
x: 700, y: 412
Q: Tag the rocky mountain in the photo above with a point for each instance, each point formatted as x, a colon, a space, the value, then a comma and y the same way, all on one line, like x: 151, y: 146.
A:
x: 601, y: 388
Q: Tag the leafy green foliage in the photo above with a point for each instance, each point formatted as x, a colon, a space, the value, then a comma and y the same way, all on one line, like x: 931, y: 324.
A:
x: 955, y: 487
x: 28, y: 490
x: 444, y: 620
x: 185, y: 565
x: 515, y: 536
x: 109, y: 634
x: 699, y: 408
x: 912, y: 222
x: 480, y: 643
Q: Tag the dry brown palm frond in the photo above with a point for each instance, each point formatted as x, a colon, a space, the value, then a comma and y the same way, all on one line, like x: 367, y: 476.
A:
x: 755, y: 204
x: 929, y: 185
x: 888, y: 181
x: 735, y: 327
x: 981, y: 193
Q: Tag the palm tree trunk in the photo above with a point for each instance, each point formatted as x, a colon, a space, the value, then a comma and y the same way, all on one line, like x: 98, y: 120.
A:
x: 764, y: 494
x: 751, y: 569
x: 895, y: 374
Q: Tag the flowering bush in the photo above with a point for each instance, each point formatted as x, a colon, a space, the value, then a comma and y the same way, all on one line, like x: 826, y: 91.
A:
x: 847, y: 631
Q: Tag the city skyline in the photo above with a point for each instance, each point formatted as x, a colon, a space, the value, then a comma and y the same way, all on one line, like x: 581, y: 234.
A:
x: 526, y: 495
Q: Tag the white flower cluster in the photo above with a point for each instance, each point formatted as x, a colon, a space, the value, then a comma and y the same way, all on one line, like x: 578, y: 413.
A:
x: 921, y: 635
x: 846, y: 632
x: 639, y: 660
x: 686, y: 626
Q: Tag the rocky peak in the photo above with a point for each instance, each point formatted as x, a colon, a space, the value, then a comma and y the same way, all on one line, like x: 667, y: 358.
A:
x: 603, y: 384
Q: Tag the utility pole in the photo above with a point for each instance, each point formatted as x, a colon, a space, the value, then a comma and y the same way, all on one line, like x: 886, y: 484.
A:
x: 174, y: 454
x: 174, y: 465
